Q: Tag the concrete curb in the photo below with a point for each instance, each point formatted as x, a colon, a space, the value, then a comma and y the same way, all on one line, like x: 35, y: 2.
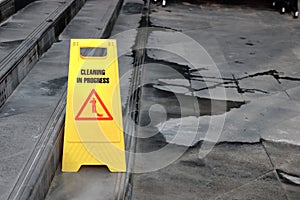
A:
x: 20, y: 61
x: 15, y: 67
x: 9, y: 7
x: 36, y: 176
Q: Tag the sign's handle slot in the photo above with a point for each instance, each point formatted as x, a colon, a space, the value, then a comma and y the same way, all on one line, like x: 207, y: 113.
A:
x: 93, y: 52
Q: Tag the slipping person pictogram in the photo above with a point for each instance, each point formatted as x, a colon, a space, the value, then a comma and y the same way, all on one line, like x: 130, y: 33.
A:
x: 94, y: 107
x: 95, y: 100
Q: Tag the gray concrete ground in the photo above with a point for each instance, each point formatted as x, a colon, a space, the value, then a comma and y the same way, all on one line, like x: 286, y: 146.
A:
x: 218, y: 112
x: 28, y: 110
x: 244, y: 100
x: 17, y: 27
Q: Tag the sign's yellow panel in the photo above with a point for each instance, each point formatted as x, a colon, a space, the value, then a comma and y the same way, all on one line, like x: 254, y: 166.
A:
x: 93, y: 128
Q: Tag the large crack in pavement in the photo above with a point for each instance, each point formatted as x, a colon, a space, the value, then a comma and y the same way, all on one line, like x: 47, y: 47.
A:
x: 224, y: 81
x: 164, y: 91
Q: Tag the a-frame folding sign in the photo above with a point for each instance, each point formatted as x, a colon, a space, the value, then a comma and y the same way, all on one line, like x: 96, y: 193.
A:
x: 93, y: 128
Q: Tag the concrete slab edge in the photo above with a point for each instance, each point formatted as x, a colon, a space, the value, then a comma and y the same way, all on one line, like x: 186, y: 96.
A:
x: 35, y: 178
x: 15, y: 67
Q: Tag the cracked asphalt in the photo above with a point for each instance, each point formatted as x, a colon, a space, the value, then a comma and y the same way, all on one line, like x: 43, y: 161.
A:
x: 219, y: 111
x: 220, y: 108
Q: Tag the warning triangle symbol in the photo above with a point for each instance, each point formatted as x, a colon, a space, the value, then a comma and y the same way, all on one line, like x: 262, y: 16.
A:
x: 93, y: 108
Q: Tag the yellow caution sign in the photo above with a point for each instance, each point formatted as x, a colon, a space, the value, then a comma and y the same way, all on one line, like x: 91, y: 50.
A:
x: 93, y: 128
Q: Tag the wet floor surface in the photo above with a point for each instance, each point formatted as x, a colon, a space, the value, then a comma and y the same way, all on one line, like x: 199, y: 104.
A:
x: 240, y: 92
x: 219, y: 105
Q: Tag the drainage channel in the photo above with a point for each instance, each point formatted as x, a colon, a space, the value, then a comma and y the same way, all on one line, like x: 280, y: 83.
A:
x: 124, y: 187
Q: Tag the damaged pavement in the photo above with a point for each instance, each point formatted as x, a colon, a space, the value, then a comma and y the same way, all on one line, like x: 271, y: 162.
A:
x: 219, y: 108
